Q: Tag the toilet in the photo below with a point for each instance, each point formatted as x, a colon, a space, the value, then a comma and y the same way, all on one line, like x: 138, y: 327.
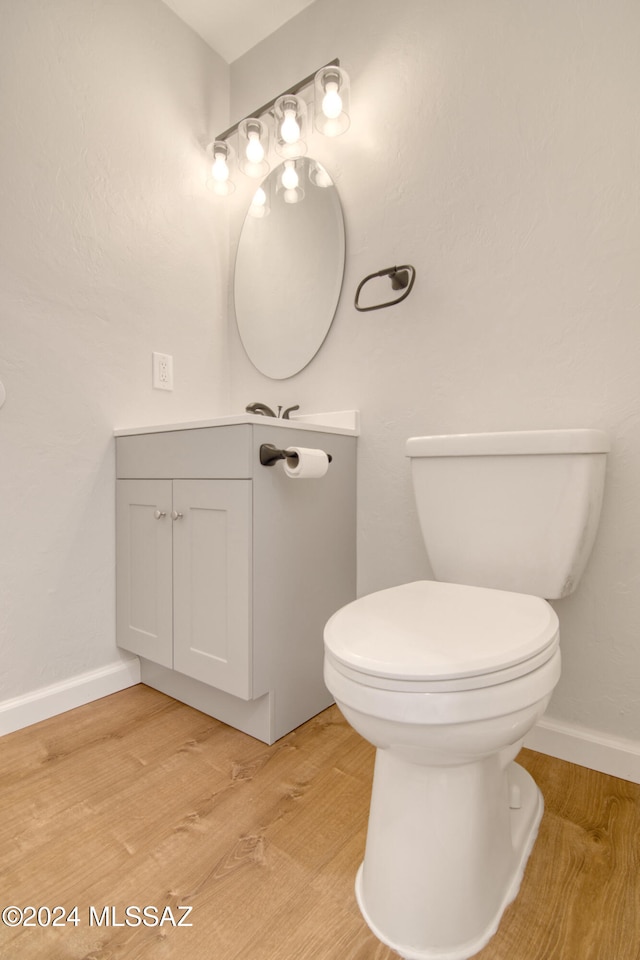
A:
x: 446, y: 677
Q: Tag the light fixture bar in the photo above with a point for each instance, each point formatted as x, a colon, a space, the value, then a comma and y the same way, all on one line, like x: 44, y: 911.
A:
x: 267, y: 106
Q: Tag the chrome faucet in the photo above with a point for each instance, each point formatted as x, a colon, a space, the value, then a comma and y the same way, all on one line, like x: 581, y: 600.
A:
x: 264, y: 411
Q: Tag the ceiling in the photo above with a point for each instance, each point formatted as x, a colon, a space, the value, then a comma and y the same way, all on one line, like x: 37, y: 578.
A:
x: 231, y: 27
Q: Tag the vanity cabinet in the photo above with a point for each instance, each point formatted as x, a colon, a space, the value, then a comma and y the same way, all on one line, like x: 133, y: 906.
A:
x: 184, y: 575
x: 227, y: 570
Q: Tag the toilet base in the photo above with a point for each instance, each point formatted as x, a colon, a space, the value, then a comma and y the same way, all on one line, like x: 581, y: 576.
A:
x: 396, y: 887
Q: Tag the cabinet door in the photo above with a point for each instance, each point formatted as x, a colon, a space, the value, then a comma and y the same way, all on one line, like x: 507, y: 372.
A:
x: 143, y: 569
x: 212, y: 582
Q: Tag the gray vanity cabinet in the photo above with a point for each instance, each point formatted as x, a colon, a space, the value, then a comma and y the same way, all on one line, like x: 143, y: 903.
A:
x: 227, y: 570
x: 183, y: 577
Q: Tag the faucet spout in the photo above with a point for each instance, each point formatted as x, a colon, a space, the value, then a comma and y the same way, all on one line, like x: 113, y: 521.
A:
x: 260, y: 408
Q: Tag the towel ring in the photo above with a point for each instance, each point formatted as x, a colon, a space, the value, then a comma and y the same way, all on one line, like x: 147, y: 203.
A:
x: 402, y: 278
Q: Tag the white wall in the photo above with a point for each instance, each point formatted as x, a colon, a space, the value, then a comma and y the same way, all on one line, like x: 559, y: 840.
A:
x: 494, y: 145
x: 110, y: 248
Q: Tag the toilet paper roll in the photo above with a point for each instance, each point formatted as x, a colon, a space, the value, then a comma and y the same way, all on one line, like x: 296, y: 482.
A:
x: 310, y: 465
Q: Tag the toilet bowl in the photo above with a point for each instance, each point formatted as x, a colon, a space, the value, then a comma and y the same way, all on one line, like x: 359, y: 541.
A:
x: 445, y: 679
x: 452, y: 818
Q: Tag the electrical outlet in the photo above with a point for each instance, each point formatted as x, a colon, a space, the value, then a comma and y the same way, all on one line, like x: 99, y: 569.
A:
x: 162, y: 371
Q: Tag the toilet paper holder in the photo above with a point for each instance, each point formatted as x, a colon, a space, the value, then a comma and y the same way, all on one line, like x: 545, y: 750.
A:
x: 269, y: 454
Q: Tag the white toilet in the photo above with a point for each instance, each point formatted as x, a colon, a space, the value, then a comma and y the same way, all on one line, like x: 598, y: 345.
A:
x: 447, y: 678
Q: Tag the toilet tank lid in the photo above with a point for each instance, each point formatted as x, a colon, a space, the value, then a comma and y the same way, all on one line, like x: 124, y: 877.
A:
x: 509, y: 443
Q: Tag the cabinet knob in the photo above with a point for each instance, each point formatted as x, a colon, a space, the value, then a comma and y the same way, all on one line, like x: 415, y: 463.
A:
x: 159, y: 514
x: 175, y: 515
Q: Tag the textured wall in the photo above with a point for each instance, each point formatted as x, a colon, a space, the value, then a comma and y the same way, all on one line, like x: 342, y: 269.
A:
x: 110, y: 248
x: 494, y: 145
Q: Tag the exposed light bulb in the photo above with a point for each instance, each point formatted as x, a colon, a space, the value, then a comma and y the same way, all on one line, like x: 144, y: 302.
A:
x: 290, y: 128
x: 290, y: 178
x: 290, y: 114
x: 320, y: 177
x: 258, y: 206
x: 220, y: 168
x: 332, y: 101
x: 293, y: 196
x: 254, y: 150
x: 220, y: 180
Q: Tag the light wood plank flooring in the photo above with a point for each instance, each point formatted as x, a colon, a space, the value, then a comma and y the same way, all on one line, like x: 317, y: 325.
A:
x: 139, y: 800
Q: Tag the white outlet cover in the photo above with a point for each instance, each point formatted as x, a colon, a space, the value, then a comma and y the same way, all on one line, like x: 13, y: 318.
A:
x: 162, y: 371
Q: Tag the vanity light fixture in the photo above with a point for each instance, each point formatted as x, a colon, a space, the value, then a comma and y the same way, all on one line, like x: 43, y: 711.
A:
x: 331, y: 101
x: 253, y: 140
x: 220, y: 181
x: 287, y: 114
x: 291, y: 120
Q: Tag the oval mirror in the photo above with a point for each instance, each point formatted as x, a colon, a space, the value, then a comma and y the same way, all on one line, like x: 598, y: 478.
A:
x: 289, y: 268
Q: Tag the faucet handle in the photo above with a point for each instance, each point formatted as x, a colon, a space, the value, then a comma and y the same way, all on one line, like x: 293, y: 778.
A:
x: 285, y: 415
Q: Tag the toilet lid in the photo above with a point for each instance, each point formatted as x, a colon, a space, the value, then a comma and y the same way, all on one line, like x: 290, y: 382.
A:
x: 440, y: 631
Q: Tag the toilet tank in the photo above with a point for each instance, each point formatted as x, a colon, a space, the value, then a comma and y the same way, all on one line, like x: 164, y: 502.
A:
x: 514, y: 511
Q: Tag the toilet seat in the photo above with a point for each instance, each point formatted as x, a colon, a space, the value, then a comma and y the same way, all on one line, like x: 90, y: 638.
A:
x: 443, y: 686
x: 432, y: 637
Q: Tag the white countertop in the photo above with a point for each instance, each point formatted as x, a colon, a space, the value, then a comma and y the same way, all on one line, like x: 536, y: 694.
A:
x: 345, y: 422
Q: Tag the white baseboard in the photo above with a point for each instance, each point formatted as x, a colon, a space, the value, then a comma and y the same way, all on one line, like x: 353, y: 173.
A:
x: 615, y: 756
x: 589, y: 748
x: 49, y: 701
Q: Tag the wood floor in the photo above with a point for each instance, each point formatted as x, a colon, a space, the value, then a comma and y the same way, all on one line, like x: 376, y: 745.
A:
x: 137, y: 800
